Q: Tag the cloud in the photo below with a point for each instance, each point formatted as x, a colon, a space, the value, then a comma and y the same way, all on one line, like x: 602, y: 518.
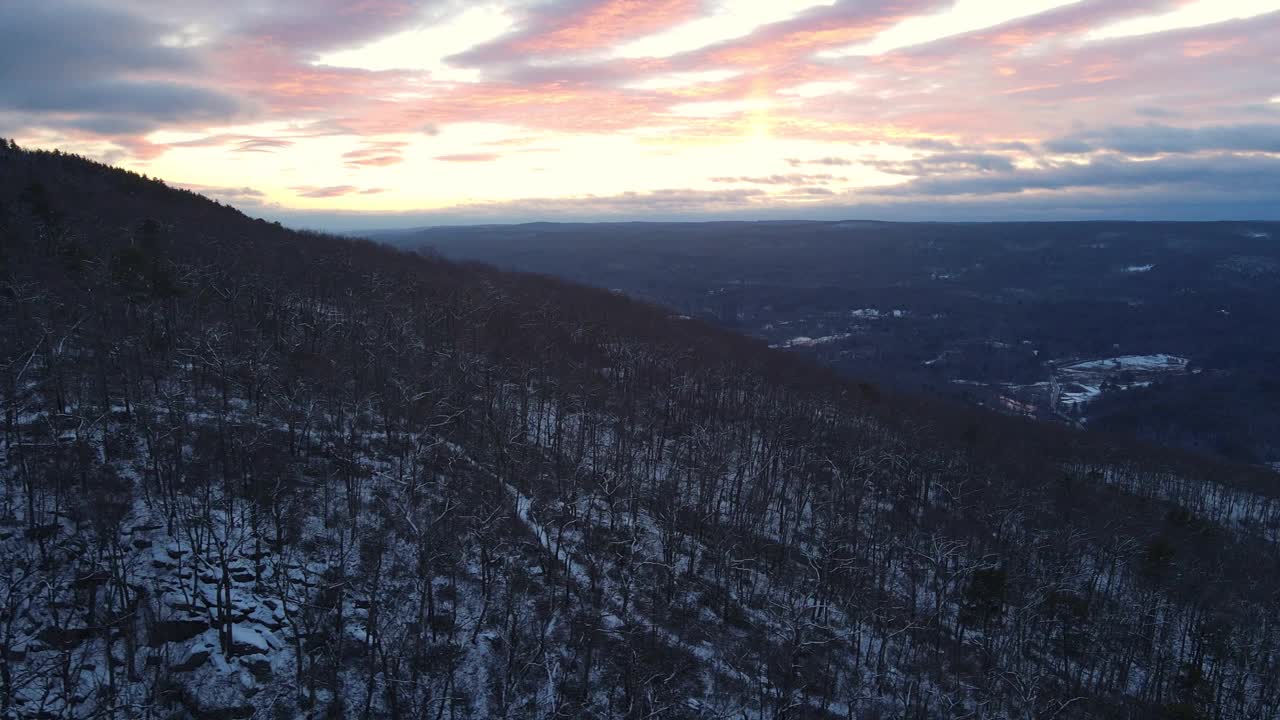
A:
x: 790, y: 179
x: 832, y: 161
x: 101, y: 70
x: 951, y: 162
x: 823, y: 27
x: 375, y: 154
x: 578, y: 26
x: 1158, y: 139
x: 258, y: 144
x: 240, y: 196
x: 468, y: 157
x: 332, y: 191
x: 309, y: 26
x: 375, y: 161
x: 1224, y: 172
x: 1037, y: 105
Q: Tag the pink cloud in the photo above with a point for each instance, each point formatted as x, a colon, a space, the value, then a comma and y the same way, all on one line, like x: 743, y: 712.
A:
x: 838, y: 25
x: 332, y: 191
x: 375, y: 154
x: 577, y: 27
x: 468, y: 157
x: 609, y: 22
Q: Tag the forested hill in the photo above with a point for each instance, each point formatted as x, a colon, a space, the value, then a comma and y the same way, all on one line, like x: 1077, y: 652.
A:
x: 249, y: 472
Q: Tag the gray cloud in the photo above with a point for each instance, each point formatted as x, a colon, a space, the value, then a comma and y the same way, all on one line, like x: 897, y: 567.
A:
x: 952, y: 162
x: 98, y: 69
x: 240, y: 196
x: 829, y: 161
x: 932, y: 144
x: 1157, y: 139
x: 258, y: 145
x: 1223, y: 172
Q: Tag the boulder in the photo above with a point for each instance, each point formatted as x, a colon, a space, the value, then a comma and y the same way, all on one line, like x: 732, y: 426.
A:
x: 64, y: 638
x: 245, y: 640
x: 260, y: 666
x: 193, y: 660
x: 165, y: 631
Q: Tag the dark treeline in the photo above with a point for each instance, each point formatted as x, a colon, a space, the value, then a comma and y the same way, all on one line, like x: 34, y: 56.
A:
x: 248, y: 471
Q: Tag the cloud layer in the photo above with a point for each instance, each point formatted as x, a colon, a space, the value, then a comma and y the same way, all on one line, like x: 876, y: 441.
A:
x: 586, y: 108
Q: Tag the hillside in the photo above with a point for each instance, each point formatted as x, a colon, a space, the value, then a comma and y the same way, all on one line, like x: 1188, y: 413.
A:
x: 995, y: 314
x: 250, y: 472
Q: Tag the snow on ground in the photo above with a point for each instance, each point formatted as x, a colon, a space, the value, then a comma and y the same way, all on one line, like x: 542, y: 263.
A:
x: 243, y: 636
x: 941, y: 357
x: 874, y: 314
x: 1082, y: 382
x: 1132, y: 363
x: 1076, y: 393
x: 806, y: 341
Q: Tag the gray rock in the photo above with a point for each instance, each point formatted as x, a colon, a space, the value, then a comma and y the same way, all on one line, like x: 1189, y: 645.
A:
x: 259, y: 666
x: 193, y: 660
x: 64, y: 638
x: 166, y: 631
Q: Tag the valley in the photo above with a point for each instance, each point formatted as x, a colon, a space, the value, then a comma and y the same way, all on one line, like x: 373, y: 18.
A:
x: 1007, y: 316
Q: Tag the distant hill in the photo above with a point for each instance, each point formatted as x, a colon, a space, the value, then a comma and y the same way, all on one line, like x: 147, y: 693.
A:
x: 249, y: 472
x: 987, y: 312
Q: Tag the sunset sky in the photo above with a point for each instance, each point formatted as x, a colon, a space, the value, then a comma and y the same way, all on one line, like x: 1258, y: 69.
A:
x: 380, y: 113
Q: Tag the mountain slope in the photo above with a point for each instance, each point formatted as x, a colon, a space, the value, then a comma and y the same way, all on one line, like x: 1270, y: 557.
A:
x: 252, y: 472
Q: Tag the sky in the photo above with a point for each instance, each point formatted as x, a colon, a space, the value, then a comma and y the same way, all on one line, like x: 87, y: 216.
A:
x: 349, y: 114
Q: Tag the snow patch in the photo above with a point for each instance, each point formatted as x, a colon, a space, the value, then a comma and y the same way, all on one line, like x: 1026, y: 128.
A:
x: 1159, y: 362
x: 806, y: 341
x: 874, y: 314
x: 246, y: 637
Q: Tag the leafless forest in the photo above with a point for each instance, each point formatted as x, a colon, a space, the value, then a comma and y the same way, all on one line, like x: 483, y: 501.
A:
x: 250, y: 472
